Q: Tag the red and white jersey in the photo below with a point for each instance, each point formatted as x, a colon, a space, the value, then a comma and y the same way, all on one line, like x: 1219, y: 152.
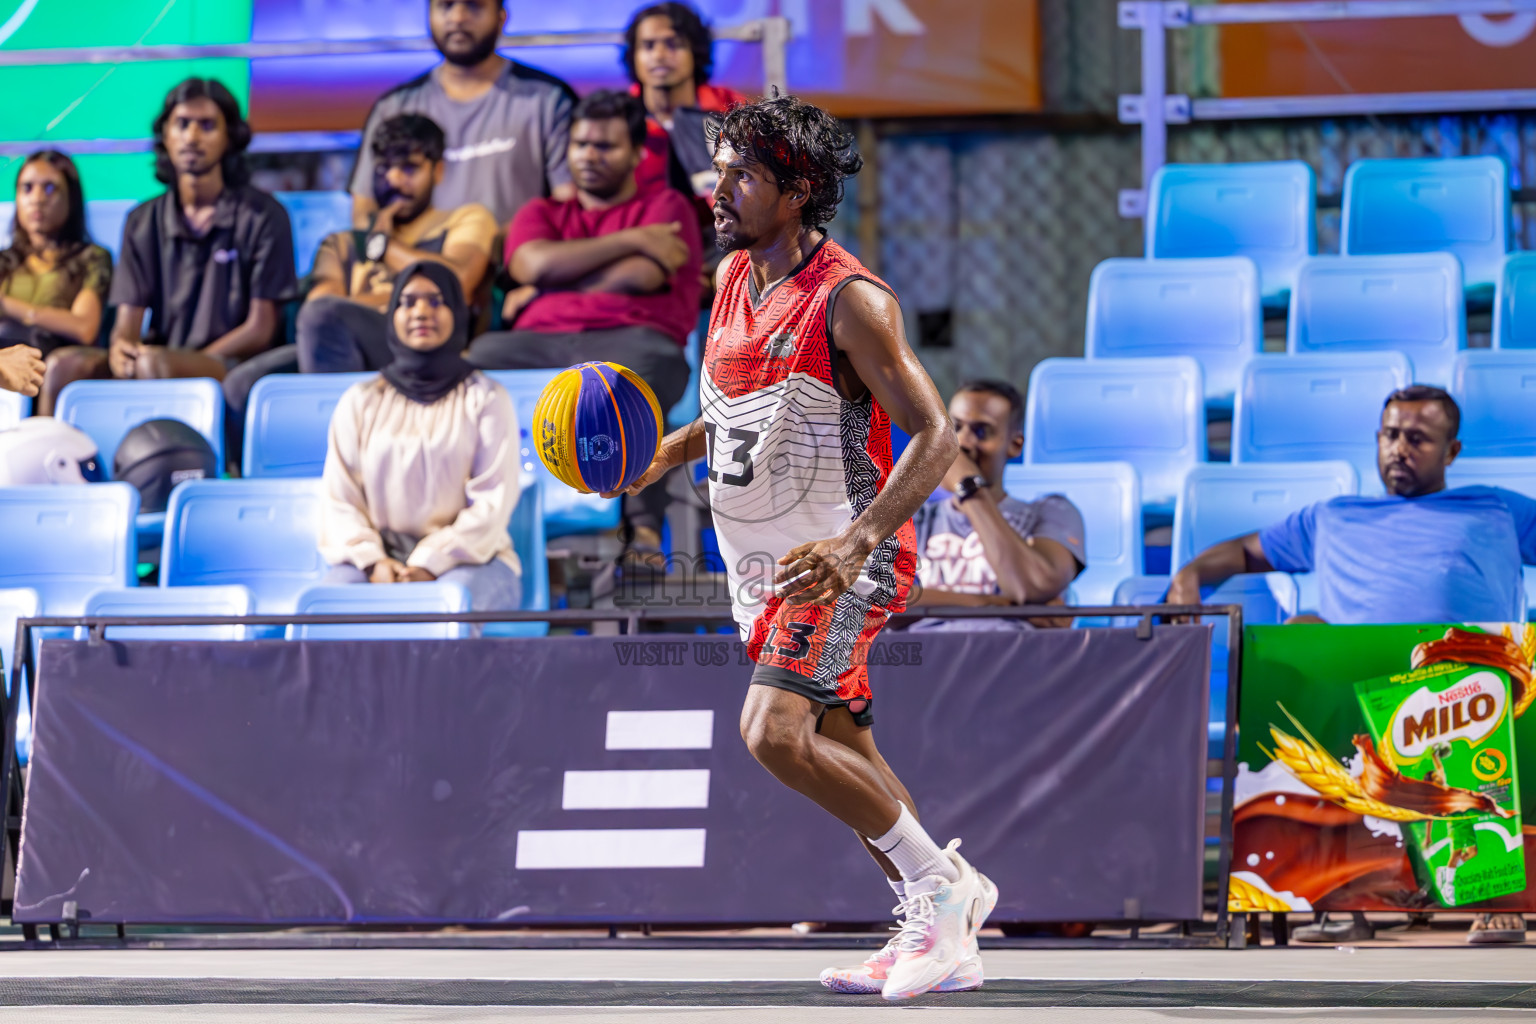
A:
x: 791, y: 460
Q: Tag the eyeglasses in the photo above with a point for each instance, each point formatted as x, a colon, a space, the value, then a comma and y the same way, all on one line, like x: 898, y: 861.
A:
x: 47, y: 188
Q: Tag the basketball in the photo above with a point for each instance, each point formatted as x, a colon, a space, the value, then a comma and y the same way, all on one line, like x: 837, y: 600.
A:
x: 598, y: 426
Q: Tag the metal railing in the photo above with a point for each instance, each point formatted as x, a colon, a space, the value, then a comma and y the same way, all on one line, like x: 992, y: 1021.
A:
x: 631, y: 619
x: 1154, y: 108
x: 773, y: 34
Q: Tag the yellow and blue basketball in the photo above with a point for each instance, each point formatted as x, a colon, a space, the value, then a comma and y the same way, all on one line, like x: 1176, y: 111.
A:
x: 598, y: 426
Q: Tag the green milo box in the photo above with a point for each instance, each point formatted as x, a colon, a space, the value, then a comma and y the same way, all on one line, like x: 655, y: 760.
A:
x: 1452, y: 725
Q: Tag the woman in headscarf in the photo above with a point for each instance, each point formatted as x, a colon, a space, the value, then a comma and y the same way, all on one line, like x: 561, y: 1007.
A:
x: 421, y: 473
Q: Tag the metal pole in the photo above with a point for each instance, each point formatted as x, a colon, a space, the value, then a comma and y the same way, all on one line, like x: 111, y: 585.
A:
x: 1154, y: 85
x: 776, y: 32
x: 1150, y: 108
x: 1346, y: 10
x: 1229, y: 769
x: 869, y: 197
x: 751, y: 31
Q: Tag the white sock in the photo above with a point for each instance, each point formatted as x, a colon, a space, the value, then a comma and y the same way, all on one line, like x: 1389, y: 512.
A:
x: 898, y: 887
x: 913, y: 853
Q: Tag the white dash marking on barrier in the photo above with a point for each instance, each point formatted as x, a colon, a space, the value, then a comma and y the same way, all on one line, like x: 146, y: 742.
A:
x: 567, y: 849
x: 660, y: 730
x: 635, y: 790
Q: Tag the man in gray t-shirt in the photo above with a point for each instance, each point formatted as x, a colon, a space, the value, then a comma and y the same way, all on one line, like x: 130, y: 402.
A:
x: 975, y: 544
x: 507, y: 125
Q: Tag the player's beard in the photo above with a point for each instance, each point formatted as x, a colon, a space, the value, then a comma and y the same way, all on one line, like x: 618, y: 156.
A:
x: 731, y: 238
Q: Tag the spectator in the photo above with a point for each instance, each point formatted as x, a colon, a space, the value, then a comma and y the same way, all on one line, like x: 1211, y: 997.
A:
x: 506, y: 124
x: 421, y: 473
x: 53, y: 281
x: 341, y: 326
x: 211, y: 258
x: 668, y: 54
x: 612, y: 274
x: 976, y: 545
x: 1468, y: 544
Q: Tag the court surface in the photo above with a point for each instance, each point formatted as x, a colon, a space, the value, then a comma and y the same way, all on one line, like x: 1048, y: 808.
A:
x: 743, y: 986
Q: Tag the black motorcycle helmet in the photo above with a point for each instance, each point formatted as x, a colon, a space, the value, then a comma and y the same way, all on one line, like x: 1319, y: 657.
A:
x: 157, y: 455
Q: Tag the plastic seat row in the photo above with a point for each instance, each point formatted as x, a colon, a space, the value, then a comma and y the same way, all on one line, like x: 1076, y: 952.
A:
x: 287, y: 425
x: 312, y: 215
x: 1209, y: 309
x: 1268, y: 212
x: 1289, y: 408
x: 69, y: 543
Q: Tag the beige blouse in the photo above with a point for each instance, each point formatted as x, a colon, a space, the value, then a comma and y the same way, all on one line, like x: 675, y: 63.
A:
x: 442, y: 476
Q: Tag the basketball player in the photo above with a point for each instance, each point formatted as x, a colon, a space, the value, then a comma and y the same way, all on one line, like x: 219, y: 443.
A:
x: 805, y: 365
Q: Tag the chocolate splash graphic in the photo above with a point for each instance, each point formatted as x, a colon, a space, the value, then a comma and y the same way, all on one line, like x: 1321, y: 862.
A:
x: 1383, y: 782
x: 1469, y: 648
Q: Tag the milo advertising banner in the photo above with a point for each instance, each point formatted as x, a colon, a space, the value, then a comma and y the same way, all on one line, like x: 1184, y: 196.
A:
x: 1379, y: 768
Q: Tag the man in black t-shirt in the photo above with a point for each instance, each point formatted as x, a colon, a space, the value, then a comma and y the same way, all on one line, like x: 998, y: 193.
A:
x: 211, y: 259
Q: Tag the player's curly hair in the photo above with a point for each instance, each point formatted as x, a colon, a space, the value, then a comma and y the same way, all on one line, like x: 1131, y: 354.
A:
x: 796, y: 141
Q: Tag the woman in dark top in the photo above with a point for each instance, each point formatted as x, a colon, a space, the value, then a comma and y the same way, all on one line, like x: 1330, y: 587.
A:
x: 53, y: 281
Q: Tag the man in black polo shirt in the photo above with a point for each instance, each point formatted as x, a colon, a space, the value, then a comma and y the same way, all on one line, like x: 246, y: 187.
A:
x: 211, y: 259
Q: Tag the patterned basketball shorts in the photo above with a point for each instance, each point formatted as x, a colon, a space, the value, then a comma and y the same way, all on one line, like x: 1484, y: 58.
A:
x: 819, y: 651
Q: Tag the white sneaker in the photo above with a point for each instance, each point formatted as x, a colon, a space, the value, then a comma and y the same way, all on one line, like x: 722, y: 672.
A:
x: 939, y: 933
x: 869, y: 977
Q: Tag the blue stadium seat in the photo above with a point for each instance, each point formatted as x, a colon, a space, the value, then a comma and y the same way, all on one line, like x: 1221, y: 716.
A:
x: 1206, y: 308
x: 13, y: 409
x: 19, y: 603
x: 1514, y: 303
x: 1222, y: 502
x: 150, y: 602
x: 1148, y: 412
x: 527, y: 529
x: 104, y: 219
x: 103, y: 222
x: 108, y: 409
x: 260, y: 533
x: 1458, y: 205
x: 15, y: 603
x: 314, y: 215
x: 1300, y: 408
x: 1408, y: 304
x: 1497, y: 394
x: 288, y: 422
x: 566, y: 510
x: 1265, y: 211
x: 1512, y: 473
x: 397, y: 598
x: 1108, y: 494
x: 68, y: 542
x: 687, y: 408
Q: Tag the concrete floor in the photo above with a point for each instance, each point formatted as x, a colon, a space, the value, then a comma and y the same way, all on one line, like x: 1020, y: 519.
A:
x: 776, y: 985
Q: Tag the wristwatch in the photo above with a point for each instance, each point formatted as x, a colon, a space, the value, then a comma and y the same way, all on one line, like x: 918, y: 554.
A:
x: 970, y: 487
x: 377, y: 243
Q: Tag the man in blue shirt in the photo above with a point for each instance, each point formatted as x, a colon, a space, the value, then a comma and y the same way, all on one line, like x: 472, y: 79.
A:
x: 1421, y: 554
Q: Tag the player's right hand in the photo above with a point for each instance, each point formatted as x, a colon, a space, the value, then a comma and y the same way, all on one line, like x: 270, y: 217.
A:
x: 662, y: 243
x: 21, y: 369
x: 657, y: 470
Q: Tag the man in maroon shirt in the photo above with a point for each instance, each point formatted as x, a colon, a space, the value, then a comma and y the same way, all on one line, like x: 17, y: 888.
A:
x: 612, y: 274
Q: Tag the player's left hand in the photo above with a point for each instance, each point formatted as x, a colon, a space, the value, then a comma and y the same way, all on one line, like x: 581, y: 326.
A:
x: 821, y: 572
